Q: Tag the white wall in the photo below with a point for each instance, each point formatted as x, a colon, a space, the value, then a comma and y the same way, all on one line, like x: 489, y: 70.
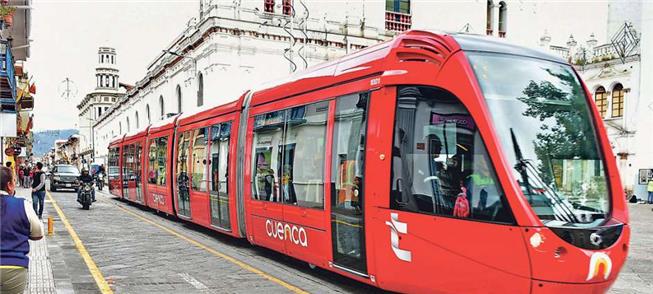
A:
x: 644, y: 142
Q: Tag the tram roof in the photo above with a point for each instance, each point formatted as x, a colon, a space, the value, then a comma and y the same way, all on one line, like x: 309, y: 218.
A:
x: 142, y: 132
x: 164, y: 124
x: 481, y: 43
x: 202, y: 113
x: 117, y: 141
x: 376, y: 59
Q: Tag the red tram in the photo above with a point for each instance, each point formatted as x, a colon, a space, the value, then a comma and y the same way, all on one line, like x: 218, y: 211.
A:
x: 429, y: 163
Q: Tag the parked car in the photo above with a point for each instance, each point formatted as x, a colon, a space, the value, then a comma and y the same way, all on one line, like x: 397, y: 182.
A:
x: 64, y: 176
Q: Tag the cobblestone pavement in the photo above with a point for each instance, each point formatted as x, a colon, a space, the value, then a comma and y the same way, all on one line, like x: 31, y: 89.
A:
x: 137, y: 257
x: 637, y: 275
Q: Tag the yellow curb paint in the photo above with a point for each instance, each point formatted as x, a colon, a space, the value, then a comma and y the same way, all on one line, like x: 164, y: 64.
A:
x: 239, y: 263
x: 92, y: 267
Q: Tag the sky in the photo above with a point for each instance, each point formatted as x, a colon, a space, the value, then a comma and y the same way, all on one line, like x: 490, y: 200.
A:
x: 66, y: 35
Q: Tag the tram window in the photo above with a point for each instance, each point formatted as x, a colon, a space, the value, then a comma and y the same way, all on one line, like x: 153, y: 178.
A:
x: 127, y: 160
x: 349, y: 151
x: 151, y: 172
x: 289, y: 152
x: 113, y: 173
x: 439, y: 162
x: 161, y: 160
x: 158, y: 160
x: 199, y: 177
x: 136, y: 167
x: 268, y: 137
x: 302, y: 158
x: 219, y: 157
x: 182, y: 162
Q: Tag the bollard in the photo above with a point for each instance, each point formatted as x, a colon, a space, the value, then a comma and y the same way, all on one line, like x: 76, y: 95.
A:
x: 50, y: 226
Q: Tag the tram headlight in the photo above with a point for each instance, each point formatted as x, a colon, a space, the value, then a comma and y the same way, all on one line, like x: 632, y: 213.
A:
x: 536, y: 240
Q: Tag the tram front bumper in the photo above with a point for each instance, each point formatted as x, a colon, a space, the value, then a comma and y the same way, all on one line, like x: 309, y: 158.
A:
x: 545, y: 287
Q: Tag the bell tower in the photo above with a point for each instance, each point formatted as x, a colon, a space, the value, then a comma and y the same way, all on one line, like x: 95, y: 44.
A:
x: 107, y: 73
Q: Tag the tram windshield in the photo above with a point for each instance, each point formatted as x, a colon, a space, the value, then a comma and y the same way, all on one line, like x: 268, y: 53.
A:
x: 543, y: 120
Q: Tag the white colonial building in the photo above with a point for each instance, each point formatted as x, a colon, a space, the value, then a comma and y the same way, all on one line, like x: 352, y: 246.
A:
x: 107, y: 92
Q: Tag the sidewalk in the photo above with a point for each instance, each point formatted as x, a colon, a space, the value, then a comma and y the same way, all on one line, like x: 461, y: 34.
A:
x: 40, y: 278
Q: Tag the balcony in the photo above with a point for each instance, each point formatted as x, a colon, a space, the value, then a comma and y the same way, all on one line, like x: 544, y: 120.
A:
x: 397, y: 22
x: 7, y: 79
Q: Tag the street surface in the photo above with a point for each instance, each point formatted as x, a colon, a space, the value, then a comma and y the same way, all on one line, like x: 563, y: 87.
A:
x: 134, y: 250
x: 138, y: 251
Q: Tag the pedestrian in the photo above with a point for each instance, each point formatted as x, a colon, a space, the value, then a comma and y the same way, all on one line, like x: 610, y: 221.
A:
x: 21, y: 176
x: 38, y: 190
x: 19, y: 223
x: 27, y: 177
x: 30, y: 175
x: 649, y: 188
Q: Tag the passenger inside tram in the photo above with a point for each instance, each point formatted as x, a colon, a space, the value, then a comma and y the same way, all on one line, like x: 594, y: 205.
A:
x: 437, y: 154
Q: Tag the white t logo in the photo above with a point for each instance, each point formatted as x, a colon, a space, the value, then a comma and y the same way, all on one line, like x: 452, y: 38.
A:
x: 397, y: 227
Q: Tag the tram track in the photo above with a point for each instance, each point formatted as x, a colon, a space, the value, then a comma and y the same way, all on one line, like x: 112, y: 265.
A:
x: 327, y: 281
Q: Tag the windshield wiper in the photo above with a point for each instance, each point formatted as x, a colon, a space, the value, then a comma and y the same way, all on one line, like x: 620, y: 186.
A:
x: 523, y: 166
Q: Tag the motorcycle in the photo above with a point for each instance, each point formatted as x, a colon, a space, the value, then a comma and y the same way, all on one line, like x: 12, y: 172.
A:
x: 86, y: 196
x: 99, y: 181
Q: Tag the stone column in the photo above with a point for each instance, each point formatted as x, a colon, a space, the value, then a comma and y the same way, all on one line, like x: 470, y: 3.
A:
x: 495, y: 19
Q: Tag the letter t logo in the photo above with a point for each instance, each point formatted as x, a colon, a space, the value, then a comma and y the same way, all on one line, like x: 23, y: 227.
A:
x: 397, y: 227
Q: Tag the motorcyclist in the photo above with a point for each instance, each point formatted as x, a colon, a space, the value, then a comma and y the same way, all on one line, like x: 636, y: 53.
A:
x: 85, y: 178
x: 99, y: 174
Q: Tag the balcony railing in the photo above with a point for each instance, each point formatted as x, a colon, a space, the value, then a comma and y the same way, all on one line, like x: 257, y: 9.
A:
x: 603, y: 53
x: 398, y: 22
x: 7, y: 78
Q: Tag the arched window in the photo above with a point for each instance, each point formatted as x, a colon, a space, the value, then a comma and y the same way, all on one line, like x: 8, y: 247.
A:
x: 618, y: 100
x: 137, y: 123
x: 147, y: 112
x: 503, y: 19
x: 601, y: 100
x: 200, y: 90
x: 128, y: 125
x: 489, y: 18
x: 161, y: 106
x: 178, y: 99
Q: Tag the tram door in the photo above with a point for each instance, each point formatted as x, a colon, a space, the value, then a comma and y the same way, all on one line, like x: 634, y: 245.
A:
x: 183, y: 179
x: 219, y: 159
x: 138, y: 153
x: 347, y: 178
x: 127, y: 159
